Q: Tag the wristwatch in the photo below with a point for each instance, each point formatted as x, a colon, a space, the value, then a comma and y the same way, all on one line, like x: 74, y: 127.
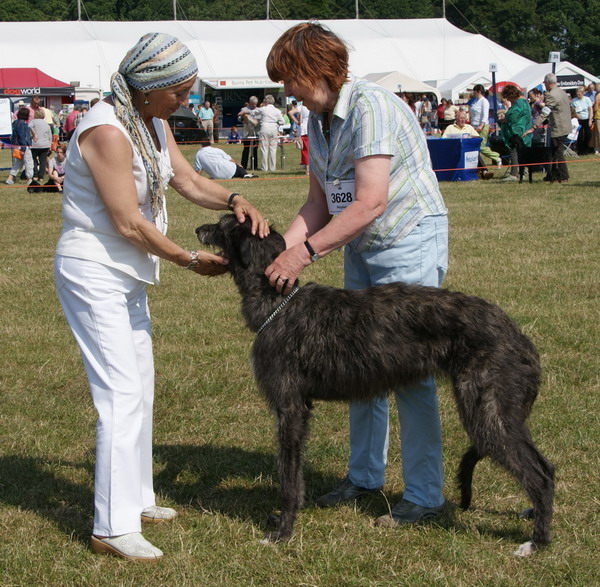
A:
x: 313, y: 256
x: 194, y: 261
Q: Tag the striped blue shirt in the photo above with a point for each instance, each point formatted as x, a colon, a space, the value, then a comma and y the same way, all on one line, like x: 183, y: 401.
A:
x: 370, y: 120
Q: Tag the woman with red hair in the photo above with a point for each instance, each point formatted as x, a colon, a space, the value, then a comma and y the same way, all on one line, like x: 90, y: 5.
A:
x: 372, y: 189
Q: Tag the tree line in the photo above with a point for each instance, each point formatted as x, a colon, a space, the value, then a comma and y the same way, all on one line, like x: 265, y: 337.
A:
x: 531, y: 28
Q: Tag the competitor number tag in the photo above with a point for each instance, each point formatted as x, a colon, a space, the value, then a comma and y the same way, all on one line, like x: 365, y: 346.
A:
x: 340, y: 194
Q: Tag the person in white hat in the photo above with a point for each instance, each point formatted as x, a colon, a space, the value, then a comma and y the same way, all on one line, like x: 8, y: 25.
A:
x: 120, y: 160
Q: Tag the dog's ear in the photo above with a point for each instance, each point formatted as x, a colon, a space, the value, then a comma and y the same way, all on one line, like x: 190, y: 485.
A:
x: 256, y: 252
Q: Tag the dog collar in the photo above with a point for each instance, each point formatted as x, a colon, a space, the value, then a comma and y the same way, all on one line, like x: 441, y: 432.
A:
x: 278, y: 309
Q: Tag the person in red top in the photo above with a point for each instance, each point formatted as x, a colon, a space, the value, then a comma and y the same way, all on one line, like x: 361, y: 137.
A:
x: 69, y: 124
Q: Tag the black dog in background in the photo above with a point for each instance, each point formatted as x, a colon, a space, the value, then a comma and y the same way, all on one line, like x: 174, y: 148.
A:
x: 341, y: 345
x: 533, y: 157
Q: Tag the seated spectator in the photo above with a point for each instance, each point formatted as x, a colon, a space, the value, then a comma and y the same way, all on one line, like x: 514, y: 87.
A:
x: 216, y: 163
x: 460, y: 128
x: 234, y: 137
x: 56, y: 169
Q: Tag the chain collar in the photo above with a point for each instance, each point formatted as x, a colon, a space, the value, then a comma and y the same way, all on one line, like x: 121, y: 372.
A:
x: 278, y: 309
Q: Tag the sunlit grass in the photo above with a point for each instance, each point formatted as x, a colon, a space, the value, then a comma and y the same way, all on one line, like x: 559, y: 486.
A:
x: 532, y: 249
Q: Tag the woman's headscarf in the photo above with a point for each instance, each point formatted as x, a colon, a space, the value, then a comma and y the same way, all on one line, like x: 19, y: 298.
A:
x: 156, y: 62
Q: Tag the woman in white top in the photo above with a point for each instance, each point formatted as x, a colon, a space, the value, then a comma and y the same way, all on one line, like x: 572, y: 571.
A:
x: 119, y: 162
x: 270, y: 121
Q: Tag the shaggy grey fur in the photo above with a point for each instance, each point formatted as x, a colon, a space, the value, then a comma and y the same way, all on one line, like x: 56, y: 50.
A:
x: 341, y: 345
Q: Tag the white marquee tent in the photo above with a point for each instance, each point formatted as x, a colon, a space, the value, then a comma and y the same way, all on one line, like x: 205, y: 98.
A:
x: 89, y: 52
x: 396, y: 82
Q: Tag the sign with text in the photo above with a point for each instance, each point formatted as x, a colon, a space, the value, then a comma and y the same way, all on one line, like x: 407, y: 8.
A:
x: 5, y: 117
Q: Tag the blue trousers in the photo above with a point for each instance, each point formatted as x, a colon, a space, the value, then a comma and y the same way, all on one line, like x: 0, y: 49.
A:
x: 420, y: 258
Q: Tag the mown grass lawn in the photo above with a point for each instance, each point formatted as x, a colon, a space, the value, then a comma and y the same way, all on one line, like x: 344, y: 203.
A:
x: 533, y: 249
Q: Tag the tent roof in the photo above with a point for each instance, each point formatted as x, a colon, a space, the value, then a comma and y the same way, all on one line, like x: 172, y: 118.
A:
x: 90, y: 51
x: 533, y: 76
x: 452, y: 87
x: 27, y: 77
x: 398, y: 82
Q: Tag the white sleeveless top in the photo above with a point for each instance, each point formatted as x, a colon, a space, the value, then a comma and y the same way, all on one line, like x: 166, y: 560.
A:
x: 88, y: 232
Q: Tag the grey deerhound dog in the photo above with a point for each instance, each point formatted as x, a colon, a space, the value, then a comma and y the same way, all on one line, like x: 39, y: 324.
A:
x: 323, y: 343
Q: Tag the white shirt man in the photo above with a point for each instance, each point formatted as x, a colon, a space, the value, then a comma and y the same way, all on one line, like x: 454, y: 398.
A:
x: 217, y: 164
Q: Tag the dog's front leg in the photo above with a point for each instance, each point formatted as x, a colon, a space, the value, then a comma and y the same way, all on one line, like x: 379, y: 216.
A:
x: 292, y: 429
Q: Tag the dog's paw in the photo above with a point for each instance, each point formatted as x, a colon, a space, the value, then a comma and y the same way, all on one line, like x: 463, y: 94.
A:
x: 274, y: 537
x: 525, y: 549
x: 527, y: 514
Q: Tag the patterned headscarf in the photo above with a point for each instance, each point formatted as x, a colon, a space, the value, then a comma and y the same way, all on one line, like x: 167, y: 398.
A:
x: 156, y: 62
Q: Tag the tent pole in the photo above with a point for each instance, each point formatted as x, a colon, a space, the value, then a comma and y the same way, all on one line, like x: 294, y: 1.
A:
x: 174, y: 9
x: 356, y: 4
x: 78, y: 9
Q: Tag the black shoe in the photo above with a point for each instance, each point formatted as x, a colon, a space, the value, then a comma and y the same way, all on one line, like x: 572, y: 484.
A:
x: 406, y: 512
x: 344, y: 492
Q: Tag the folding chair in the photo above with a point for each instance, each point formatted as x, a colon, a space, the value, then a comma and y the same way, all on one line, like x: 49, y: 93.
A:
x: 570, y: 142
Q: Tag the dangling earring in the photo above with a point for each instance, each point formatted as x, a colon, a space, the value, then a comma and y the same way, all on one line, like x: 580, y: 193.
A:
x: 146, y: 102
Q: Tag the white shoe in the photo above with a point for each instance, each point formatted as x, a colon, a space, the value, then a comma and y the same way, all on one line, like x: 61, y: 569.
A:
x: 155, y: 514
x: 131, y: 546
x: 10, y: 180
x: 510, y: 178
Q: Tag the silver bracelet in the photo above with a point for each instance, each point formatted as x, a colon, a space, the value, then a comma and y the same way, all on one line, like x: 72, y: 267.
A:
x: 194, y: 261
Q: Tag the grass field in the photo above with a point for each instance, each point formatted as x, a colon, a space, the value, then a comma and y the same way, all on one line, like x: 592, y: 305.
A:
x: 532, y: 249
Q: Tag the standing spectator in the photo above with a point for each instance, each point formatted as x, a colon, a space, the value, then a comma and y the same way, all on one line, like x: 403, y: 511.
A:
x: 590, y: 92
x: 558, y: 111
x: 440, y: 112
x: 233, y: 138
x: 21, y: 140
x: 248, y: 116
x: 584, y: 111
x: 69, y: 124
x: 479, y: 115
x: 515, y: 123
x: 596, y: 131
x: 450, y: 113
x: 35, y: 106
x: 426, y: 112
x: 294, y: 115
x: 395, y: 229
x: 79, y: 116
x: 268, y: 135
x: 303, y: 115
x: 206, y: 116
x: 408, y: 98
x: 216, y: 122
x: 418, y: 108
x: 41, y: 139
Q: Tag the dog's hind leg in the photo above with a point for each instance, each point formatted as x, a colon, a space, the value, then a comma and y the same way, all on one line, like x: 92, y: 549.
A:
x: 292, y: 430
x: 465, y: 475
x: 536, y: 474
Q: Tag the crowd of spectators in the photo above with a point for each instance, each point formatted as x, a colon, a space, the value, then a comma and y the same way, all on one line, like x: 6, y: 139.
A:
x: 535, y: 119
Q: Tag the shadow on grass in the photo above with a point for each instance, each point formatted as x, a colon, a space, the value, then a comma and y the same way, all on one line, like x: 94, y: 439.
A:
x: 32, y: 484
x: 237, y: 483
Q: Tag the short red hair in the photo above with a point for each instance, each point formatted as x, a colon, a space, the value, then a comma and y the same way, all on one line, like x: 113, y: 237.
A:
x: 308, y: 52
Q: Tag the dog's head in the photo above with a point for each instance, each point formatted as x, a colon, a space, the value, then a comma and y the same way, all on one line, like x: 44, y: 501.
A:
x: 243, y: 249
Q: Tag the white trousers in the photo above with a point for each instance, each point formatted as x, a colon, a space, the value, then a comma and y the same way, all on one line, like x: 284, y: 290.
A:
x: 269, y: 139
x: 107, y: 311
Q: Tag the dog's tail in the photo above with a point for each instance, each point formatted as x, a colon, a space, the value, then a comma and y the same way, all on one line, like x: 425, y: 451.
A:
x: 465, y: 475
